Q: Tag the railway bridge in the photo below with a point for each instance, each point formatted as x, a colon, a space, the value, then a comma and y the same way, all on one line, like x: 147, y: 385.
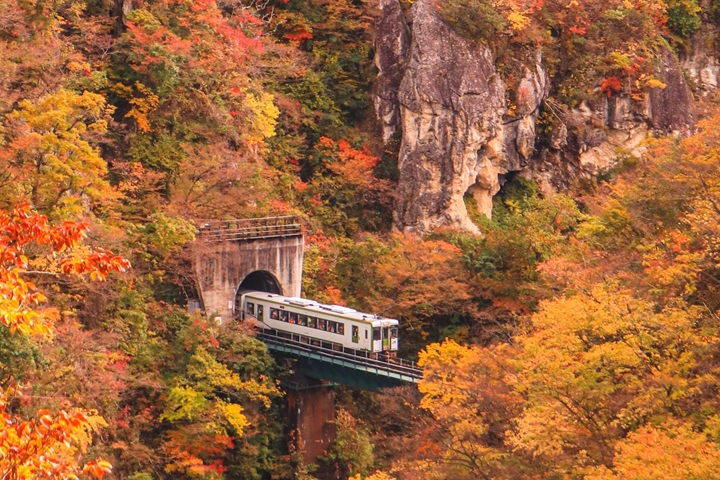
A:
x: 266, y: 254
x: 339, y: 365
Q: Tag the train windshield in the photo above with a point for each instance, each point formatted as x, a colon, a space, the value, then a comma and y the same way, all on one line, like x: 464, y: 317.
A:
x: 376, y: 334
x: 393, y: 332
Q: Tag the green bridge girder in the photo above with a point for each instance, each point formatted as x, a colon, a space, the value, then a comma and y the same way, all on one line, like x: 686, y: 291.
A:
x: 341, y: 367
x: 349, y: 377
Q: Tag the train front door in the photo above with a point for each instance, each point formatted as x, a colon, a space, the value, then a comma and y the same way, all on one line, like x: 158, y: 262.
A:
x: 393, y: 338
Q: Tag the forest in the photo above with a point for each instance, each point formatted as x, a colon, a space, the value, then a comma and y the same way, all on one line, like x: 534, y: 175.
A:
x: 576, y: 337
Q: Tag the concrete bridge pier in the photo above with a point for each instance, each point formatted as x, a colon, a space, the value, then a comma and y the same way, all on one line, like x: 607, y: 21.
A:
x: 310, y: 415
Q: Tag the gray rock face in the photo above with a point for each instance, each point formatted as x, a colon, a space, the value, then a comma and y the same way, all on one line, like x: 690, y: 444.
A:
x: 591, y: 138
x: 442, y: 90
x: 671, y: 108
x: 391, y: 49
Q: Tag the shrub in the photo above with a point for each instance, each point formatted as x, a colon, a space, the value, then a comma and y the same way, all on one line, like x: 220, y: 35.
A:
x: 683, y: 17
x: 476, y: 19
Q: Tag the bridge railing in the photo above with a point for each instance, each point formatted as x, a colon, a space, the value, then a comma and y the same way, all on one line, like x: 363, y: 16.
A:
x: 248, y: 228
x: 336, y: 351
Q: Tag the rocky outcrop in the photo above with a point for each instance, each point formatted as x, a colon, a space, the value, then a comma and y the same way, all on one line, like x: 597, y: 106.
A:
x: 456, y: 137
x: 459, y: 136
x: 590, y: 139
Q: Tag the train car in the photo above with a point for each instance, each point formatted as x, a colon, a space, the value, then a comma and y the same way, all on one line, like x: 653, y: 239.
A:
x: 328, y: 323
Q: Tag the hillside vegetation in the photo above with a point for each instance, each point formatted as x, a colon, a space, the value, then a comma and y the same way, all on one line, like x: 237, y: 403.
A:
x: 578, y: 337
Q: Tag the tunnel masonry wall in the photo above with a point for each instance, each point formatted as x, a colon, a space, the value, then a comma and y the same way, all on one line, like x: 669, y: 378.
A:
x: 222, y: 266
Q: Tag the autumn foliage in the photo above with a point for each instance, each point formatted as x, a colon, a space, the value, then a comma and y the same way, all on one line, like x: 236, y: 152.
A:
x: 608, y: 377
x: 44, y: 447
x: 573, y: 339
x: 23, y: 228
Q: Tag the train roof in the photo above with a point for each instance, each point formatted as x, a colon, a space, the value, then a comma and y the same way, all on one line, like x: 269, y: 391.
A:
x: 320, y: 308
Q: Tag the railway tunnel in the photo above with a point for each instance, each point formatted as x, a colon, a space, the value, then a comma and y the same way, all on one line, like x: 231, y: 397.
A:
x: 260, y: 281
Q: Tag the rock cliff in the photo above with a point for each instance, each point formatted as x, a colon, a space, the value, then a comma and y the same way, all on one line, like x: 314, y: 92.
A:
x: 459, y: 136
x: 451, y: 108
x: 700, y: 58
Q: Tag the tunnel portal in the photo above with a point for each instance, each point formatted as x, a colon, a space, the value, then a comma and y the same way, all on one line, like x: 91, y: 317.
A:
x: 263, y: 254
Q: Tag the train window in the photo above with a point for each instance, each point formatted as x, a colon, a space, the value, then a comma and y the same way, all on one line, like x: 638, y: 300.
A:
x: 331, y: 326
x: 292, y: 317
x: 283, y: 315
x: 321, y: 324
x: 312, y: 322
x: 260, y: 312
x: 302, y: 320
x: 376, y: 334
x: 355, y: 334
x: 250, y: 308
x: 366, y: 334
x: 274, y: 314
x: 341, y: 328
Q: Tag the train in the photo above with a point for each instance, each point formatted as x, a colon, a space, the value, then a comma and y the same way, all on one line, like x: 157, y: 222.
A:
x: 335, y: 324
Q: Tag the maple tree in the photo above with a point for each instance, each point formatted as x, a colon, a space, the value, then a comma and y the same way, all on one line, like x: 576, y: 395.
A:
x: 671, y: 451
x: 21, y: 228
x: 344, y: 191
x: 464, y: 390
x: 608, y: 362
x: 44, y: 447
x: 48, y: 158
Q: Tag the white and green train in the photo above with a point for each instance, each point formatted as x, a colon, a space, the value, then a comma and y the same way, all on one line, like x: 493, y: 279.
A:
x: 327, y: 323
